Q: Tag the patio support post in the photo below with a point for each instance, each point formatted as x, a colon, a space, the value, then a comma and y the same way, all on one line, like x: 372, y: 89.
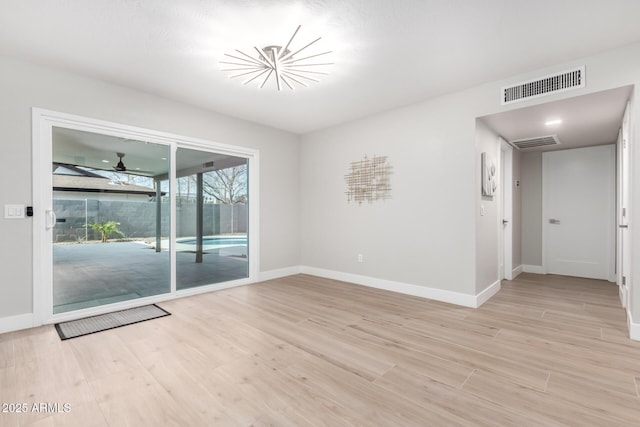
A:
x: 199, y: 217
x: 158, y: 216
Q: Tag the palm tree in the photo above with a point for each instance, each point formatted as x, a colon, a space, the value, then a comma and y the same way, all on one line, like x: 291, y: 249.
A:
x: 106, y: 228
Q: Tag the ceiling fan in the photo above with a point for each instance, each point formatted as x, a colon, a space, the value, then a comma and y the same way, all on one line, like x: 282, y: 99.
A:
x: 120, y: 167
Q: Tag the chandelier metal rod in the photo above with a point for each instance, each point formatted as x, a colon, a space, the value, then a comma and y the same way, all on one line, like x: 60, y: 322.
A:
x: 283, y: 51
x: 252, y: 60
x: 300, y: 50
x: 291, y: 73
x: 267, y: 78
x: 295, y: 80
x: 285, y: 81
x: 244, y: 74
x: 277, y: 61
x: 292, y: 60
x: 253, y: 78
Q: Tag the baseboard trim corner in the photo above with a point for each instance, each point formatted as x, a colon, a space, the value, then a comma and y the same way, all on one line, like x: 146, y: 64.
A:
x: 622, y: 294
x: 16, y: 323
x: 517, y: 271
x: 485, y: 295
x: 634, y: 328
x: 278, y: 273
x: 536, y: 269
x: 400, y: 287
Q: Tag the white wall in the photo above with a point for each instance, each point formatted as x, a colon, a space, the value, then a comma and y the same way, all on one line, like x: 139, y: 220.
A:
x: 425, y: 235
x: 531, y: 185
x: 517, y: 210
x: 24, y: 86
x: 487, y: 226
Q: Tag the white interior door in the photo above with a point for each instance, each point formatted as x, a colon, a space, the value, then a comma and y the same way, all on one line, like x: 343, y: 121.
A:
x: 579, y: 212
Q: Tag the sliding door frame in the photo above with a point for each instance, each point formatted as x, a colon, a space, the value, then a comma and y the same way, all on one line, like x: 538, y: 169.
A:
x: 43, y: 122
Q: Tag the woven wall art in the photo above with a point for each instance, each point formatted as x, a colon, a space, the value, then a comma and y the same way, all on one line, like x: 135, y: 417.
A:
x: 368, y: 180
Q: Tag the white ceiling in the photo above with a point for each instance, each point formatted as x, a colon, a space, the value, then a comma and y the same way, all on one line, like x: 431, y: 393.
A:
x: 386, y: 53
x: 587, y: 120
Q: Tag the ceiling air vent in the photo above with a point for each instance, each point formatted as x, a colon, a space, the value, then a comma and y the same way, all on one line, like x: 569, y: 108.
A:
x: 541, y: 141
x: 553, y: 83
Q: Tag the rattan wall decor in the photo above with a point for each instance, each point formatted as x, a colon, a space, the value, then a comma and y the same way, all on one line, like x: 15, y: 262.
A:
x: 368, y: 180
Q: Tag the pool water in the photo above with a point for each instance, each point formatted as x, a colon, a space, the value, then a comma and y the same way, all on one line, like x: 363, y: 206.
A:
x: 215, y: 241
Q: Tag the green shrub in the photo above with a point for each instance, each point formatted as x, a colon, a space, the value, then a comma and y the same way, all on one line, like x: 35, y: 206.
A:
x: 106, y: 228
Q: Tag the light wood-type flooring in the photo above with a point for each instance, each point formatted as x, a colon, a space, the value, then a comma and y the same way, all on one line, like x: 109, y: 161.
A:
x: 305, y: 351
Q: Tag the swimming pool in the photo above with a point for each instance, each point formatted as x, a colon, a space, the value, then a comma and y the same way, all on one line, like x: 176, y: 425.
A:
x: 213, y: 242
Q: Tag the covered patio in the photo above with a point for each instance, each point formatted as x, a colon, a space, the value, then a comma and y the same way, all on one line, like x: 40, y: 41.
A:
x: 93, y: 274
x: 88, y: 274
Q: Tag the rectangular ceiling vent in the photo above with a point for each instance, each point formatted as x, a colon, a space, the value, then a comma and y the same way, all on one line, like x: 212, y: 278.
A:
x: 541, y: 141
x: 553, y: 83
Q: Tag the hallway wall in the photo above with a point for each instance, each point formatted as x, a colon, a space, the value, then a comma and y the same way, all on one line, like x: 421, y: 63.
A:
x: 532, y: 211
x: 517, y: 210
x: 488, y: 212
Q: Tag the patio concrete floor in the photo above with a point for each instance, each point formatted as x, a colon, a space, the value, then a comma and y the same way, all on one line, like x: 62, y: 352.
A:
x: 92, y: 274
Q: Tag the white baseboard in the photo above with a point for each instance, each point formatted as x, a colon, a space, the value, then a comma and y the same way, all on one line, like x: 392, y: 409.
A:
x: 485, y: 295
x: 16, y: 323
x: 537, y: 269
x: 451, y: 297
x: 276, y: 274
x: 622, y: 293
x: 634, y: 328
x: 516, y: 272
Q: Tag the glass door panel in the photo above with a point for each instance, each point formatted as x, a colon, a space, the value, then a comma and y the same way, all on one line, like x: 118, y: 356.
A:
x: 211, y: 218
x: 112, y: 204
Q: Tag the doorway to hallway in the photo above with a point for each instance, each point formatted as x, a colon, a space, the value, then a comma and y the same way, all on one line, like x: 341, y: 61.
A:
x: 578, y: 122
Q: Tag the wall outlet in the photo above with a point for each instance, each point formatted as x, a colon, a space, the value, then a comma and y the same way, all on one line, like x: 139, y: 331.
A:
x: 360, y: 258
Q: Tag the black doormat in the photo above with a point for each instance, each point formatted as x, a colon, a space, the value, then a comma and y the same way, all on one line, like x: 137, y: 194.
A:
x: 103, y: 322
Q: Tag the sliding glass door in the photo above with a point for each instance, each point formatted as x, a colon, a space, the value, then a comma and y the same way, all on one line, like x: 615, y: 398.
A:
x: 126, y: 216
x: 109, y: 212
x: 211, y: 218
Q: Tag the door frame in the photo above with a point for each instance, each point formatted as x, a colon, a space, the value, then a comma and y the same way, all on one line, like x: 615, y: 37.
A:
x: 506, y: 210
x: 43, y: 122
x: 623, y: 232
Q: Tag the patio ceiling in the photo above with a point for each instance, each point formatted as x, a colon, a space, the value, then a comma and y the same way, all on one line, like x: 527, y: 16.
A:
x: 99, y: 151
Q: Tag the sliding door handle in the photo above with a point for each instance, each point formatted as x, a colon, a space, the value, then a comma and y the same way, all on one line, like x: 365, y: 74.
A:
x: 51, y: 215
x: 623, y: 226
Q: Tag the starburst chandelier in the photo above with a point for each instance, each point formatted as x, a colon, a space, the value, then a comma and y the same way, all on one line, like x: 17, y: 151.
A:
x: 281, y: 64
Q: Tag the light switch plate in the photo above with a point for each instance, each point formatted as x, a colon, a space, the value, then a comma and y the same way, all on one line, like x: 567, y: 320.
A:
x: 14, y: 211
